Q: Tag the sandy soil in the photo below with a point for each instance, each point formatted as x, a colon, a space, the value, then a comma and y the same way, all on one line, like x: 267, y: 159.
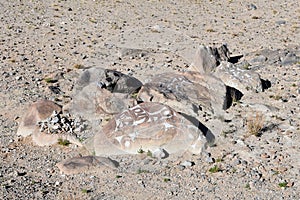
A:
x: 41, y: 39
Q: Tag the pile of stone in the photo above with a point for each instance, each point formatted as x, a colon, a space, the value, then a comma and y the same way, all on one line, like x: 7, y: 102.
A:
x: 59, y: 123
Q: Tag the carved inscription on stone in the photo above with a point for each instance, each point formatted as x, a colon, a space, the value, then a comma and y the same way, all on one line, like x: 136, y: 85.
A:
x: 153, y: 125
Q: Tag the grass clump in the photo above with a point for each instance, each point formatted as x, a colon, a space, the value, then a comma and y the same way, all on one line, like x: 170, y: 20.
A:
x: 50, y: 80
x: 282, y: 184
x: 210, y: 30
x: 255, y: 124
x: 215, y: 169
x: 63, y: 142
x: 85, y: 191
x: 141, y: 151
x: 248, y: 186
x: 78, y: 66
x: 166, y: 180
x: 140, y: 171
x: 149, y: 153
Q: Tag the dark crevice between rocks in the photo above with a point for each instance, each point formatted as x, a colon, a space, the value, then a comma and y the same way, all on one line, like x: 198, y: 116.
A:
x: 206, y: 132
x: 232, y: 95
x: 235, y: 59
x: 135, y: 94
x: 266, y: 84
x: 221, y: 53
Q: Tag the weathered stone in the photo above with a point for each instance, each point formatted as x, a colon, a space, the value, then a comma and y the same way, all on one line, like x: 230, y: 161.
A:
x: 160, y: 153
x: 208, y: 58
x: 134, y: 53
x: 290, y: 59
x: 258, y: 60
x: 243, y: 80
x: 87, y: 163
x: 189, y: 92
x: 45, y: 139
x: 148, y: 126
x: 111, y: 80
x: 92, y: 102
x: 187, y: 163
x: 102, y: 92
x: 38, y: 111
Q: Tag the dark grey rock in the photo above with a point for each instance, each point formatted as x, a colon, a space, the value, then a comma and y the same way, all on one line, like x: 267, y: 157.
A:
x: 111, y: 80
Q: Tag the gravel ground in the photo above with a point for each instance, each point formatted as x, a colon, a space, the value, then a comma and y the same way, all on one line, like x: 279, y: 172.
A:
x: 43, y: 40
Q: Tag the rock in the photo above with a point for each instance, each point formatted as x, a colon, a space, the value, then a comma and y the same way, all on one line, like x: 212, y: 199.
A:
x: 160, y: 153
x: 103, y: 92
x: 290, y: 59
x: 111, y: 80
x: 252, y: 7
x: 243, y: 80
x: 258, y: 60
x: 82, y: 164
x: 187, y: 163
x: 208, y: 58
x: 148, y: 126
x: 133, y: 53
x: 38, y: 111
x: 191, y: 93
x: 45, y: 139
x: 94, y: 102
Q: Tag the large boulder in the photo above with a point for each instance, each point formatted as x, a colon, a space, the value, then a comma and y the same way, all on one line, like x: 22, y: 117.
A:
x: 191, y: 93
x: 94, y: 102
x: 149, y: 126
x: 100, y: 92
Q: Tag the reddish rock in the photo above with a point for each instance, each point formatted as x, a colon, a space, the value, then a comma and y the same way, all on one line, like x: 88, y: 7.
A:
x: 38, y: 111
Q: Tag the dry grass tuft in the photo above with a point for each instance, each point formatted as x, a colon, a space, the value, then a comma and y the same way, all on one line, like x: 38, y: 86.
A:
x: 255, y: 124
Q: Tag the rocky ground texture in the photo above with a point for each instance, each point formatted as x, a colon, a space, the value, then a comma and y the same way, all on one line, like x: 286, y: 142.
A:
x: 46, y: 45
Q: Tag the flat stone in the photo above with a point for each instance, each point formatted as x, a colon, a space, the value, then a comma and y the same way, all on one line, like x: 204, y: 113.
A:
x: 243, y: 80
x: 86, y: 163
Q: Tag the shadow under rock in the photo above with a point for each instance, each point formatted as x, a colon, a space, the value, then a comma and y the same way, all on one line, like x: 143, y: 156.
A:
x: 206, y: 132
x: 232, y: 95
x: 265, y: 84
x: 270, y: 127
x: 235, y: 59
